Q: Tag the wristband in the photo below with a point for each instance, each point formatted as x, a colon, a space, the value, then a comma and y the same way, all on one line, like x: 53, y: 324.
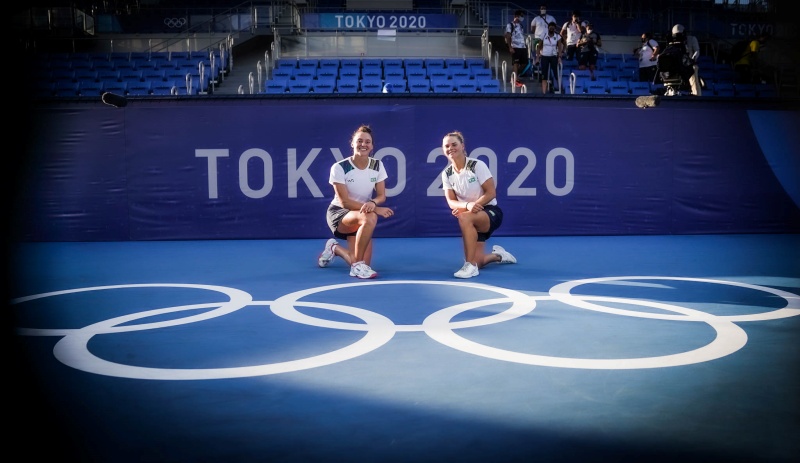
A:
x: 467, y: 206
x: 373, y: 202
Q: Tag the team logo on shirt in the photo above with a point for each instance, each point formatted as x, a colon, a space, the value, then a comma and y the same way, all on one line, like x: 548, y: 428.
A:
x: 472, y: 180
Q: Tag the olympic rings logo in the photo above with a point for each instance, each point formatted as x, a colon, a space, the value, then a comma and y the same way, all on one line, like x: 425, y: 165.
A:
x: 440, y: 326
x: 173, y: 23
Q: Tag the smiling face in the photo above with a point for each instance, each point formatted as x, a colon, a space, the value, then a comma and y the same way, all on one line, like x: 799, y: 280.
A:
x: 362, y: 144
x: 453, y: 147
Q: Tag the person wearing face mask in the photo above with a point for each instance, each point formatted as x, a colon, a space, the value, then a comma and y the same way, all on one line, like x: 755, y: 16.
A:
x: 549, y: 51
x: 539, y: 26
x: 648, y: 57
x: 571, y: 33
x: 587, y: 48
x: 515, y: 39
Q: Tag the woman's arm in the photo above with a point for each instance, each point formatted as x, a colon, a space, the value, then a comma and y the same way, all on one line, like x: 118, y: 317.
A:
x: 340, y: 189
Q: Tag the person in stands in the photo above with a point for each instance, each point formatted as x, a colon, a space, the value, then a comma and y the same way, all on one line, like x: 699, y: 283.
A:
x: 570, y: 34
x: 588, y: 46
x: 515, y: 39
x: 648, y: 57
x: 549, y: 51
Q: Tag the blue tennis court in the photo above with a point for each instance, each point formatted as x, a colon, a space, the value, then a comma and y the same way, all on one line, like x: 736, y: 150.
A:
x: 590, y: 348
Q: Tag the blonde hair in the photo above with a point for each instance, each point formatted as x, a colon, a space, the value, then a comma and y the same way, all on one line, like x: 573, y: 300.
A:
x: 457, y: 134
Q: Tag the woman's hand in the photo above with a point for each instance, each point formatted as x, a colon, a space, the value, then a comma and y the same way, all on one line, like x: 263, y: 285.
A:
x: 384, y: 212
x: 474, y: 207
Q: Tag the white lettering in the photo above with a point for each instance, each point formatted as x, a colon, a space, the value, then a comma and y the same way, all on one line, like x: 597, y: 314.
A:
x: 399, y: 173
x: 569, y: 171
x: 212, y: 156
x: 295, y: 173
x: 255, y: 153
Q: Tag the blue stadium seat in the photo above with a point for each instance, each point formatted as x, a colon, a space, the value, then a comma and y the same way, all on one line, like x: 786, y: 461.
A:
x: 345, y: 85
x: 482, y: 74
x: 350, y: 72
x: 392, y: 63
x: 455, y: 63
x: 299, y: 87
x: 442, y: 87
x: 329, y: 63
x: 419, y: 86
x: 372, y: 72
x: 275, y: 86
x: 469, y: 86
x: 139, y: 89
x: 164, y: 88
x: 371, y: 85
x: 434, y: 63
x: 90, y: 88
x: 119, y: 88
x: 371, y: 63
x: 619, y: 88
x: 65, y: 88
x: 350, y: 63
x: 489, y: 86
x: 399, y: 84
x: 413, y: 63
x: 724, y: 89
x: 322, y: 87
x: 392, y: 72
x: 596, y: 88
x: 290, y: 63
x: 639, y: 88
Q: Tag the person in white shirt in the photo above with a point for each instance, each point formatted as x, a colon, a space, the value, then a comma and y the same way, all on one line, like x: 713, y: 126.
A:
x: 470, y: 192
x: 549, y: 51
x: 648, y: 57
x: 539, y: 29
x: 515, y: 39
x: 571, y: 33
x: 353, y: 213
x: 693, y: 50
x: 539, y: 25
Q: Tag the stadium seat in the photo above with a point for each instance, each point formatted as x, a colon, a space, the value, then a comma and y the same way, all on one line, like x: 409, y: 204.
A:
x: 372, y: 72
x: 329, y: 63
x: 489, y: 86
x: 347, y: 86
x: 724, y: 89
x: 596, y: 88
x: 619, y: 88
x: 139, y: 89
x: 399, y: 84
x: 322, y: 87
x: 639, y: 88
x: 442, y: 87
x: 419, y: 86
x: 467, y: 87
x: 371, y: 85
x: 90, y: 88
x: 275, y: 86
x: 299, y: 87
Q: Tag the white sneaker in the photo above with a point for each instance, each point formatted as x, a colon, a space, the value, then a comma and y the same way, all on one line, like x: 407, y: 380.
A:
x: 505, y: 256
x: 327, y: 255
x: 362, y: 270
x: 467, y: 271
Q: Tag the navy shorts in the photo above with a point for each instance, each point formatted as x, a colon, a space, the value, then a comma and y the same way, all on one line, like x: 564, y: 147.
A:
x: 495, y: 220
